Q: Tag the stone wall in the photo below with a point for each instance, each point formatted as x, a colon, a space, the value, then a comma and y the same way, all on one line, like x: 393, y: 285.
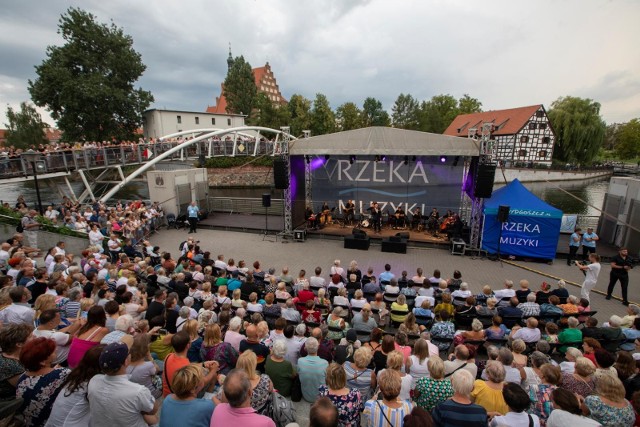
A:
x: 253, y: 176
x: 46, y: 240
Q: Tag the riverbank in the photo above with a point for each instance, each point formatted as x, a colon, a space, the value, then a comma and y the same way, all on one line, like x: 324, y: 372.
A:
x: 544, y: 175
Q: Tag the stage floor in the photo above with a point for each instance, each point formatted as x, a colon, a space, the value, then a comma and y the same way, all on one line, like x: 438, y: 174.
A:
x: 414, y: 236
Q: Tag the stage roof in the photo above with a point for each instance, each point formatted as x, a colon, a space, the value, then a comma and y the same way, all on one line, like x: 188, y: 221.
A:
x: 384, y: 140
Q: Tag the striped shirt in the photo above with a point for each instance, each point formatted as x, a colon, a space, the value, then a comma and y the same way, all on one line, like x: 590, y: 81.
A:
x: 453, y: 414
x: 312, y: 371
x: 375, y: 412
x: 360, y: 380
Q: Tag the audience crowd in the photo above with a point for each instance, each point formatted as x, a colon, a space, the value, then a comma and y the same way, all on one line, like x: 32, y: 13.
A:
x: 128, y: 334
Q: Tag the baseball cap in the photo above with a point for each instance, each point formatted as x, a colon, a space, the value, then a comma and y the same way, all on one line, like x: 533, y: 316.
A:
x: 113, y: 356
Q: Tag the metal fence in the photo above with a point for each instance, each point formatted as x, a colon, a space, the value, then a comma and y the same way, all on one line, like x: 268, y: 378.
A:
x: 245, y: 205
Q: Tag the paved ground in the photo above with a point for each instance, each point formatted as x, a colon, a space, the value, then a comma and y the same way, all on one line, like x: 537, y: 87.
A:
x: 318, y: 252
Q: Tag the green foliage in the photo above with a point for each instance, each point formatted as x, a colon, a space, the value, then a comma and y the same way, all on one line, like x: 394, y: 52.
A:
x: 323, y: 120
x: 300, y: 113
x: 88, y: 83
x: 628, y: 140
x: 438, y: 113
x: 405, y: 112
x: 232, y: 162
x: 579, y: 129
x: 9, y: 216
x: 468, y: 105
x: 373, y: 114
x: 269, y: 114
x: 25, y: 127
x: 239, y: 87
x: 349, y: 116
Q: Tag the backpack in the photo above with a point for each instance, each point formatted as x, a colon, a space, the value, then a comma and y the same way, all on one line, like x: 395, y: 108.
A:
x: 20, y: 228
x: 181, y: 246
x: 281, y: 410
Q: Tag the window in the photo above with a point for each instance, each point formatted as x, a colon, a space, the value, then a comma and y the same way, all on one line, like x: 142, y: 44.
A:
x: 539, y: 113
x: 542, y: 126
x: 542, y: 153
x: 197, y: 120
x: 213, y: 121
x: 229, y: 122
x: 522, y: 153
x: 546, y: 140
x: 524, y: 139
x: 179, y: 118
x: 532, y: 125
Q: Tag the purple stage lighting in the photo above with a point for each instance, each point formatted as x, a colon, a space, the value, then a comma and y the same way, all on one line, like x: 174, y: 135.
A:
x: 317, y: 163
x: 443, y: 159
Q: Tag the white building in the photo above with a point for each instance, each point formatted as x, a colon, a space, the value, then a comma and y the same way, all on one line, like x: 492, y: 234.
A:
x: 158, y: 123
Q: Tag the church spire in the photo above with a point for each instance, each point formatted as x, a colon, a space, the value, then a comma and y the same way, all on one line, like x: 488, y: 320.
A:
x: 230, y: 58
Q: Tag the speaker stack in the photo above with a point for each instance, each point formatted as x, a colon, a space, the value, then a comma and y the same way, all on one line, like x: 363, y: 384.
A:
x: 280, y: 174
x: 483, y: 185
x: 503, y: 213
x: 266, y: 200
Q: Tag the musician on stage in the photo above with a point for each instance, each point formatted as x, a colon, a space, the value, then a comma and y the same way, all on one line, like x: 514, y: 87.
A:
x: 349, y: 210
x: 400, y: 219
x: 416, y: 220
x: 376, y: 217
x: 325, y: 214
x: 432, y: 221
x: 311, y: 218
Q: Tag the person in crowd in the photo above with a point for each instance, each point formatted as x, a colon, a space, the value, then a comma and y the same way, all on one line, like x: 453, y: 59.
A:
x: 12, y: 339
x: 518, y: 402
x: 460, y: 360
x: 460, y: 409
x: 608, y: 405
x: 401, y: 308
x: 540, y: 394
x: 364, y: 322
x: 322, y: 414
x: 417, y: 364
x: 19, y: 311
x: 174, y: 361
x: 280, y: 371
x: 444, y: 307
x: 442, y: 332
x: 238, y: 409
x: 567, y: 411
x: 312, y: 370
x: 261, y: 385
x: 386, y: 407
x: 213, y: 348
x: 418, y: 418
x: 488, y: 394
x: 142, y: 368
x: 233, y: 335
x: 358, y: 373
x: 434, y: 388
x: 489, y: 309
x: 347, y: 400
x: 253, y: 343
x: 530, y: 307
x: 382, y: 352
x: 71, y: 407
x: 410, y: 327
x: 88, y: 336
x: 518, y: 347
x: 395, y: 361
x: 336, y: 321
x: 529, y: 334
x: 182, y: 406
x: 40, y: 384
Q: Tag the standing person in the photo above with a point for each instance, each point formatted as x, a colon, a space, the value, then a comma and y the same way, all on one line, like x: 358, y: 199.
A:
x: 589, y: 240
x: 30, y: 226
x: 620, y: 266
x: 192, y: 213
x: 574, y: 245
x: 376, y: 217
x: 591, y: 272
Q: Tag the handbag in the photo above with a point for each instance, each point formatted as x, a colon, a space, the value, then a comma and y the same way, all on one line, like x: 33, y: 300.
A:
x: 296, y: 389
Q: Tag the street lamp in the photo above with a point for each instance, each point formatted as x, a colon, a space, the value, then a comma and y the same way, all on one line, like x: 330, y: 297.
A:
x: 37, y: 165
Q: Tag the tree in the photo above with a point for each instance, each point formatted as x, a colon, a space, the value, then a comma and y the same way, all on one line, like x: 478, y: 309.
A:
x: 438, y: 113
x: 349, y: 116
x: 300, y: 113
x: 468, y: 105
x: 269, y: 114
x: 25, y: 127
x: 405, y: 112
x: 239, y: 87
x: 373, y: 114
x: 323, y: 120
x: 88, y: 83
x: 579, y: 129
x: 628, y: 140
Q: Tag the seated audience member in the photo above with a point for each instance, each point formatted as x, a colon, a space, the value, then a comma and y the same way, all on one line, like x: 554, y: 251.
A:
x: 540, y: 393
x: 395, y: 361
x: 435, y: 388
x: 524, y: 290
x: 312, y: 371
x: 511, y: 374
x: 581, y: 381
x: 571, y: 334
x: 591, y: 329
x: 182, y: 406
x: 364, y: 322
x: 518, y: 402
x: 529, y: 334
x: 347, y: 400
x: 567, y: 411
x: 571, y: 356
x: 460, y: 360
x: 238, y: 410
x: 358, y: 373
x: 542, y: 296
x: 418, y: 418
x: 560, y: 291
x: 551, y: 311
x: 488, y: 393
x: 506, y: 292
x: 530, y: 307
x: 387, y: 404
x: 460, y: 409
x: 280, y: 371
x: 324, y: 413
x: 510, y: 310
x: 608, y: 403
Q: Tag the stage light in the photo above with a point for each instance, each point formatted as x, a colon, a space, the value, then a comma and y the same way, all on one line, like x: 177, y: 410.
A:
x: 326, y: 156
x: 443, y: 159
x: 384, y: 158
x: 352, y: 159
x: 308, y: 159
x: 406, y: 160
x: 413, y: 158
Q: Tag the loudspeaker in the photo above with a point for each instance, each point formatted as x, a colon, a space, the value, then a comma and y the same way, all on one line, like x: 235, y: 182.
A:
x: 403, y: 235
x: 388, y: 245
x: 503, y: 213
x: 280, y: 174
x: 483, y: 185
x: 351, y: 242
x: 266, y: 200
x: 359, y: 234
x: 395, y: 239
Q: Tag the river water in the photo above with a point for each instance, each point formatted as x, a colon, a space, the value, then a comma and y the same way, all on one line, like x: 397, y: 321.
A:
x: 584, y: 198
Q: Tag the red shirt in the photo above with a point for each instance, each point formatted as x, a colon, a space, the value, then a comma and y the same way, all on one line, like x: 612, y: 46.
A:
x: 304, y: 296
x: 171, y: 364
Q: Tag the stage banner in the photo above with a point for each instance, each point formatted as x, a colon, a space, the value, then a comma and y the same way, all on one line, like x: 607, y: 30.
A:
x: 523, y: 235
x: 423, y: 182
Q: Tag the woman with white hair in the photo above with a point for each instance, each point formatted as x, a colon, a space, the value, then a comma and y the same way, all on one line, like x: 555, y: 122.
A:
x: 561, y: 292
x: 336, y: 269
x: 183, y: 316
x: 463, y: 293
x: 233, y: 335
x: 280, y: 370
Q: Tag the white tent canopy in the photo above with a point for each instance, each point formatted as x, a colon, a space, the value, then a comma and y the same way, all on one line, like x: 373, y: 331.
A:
x: 384, y: 141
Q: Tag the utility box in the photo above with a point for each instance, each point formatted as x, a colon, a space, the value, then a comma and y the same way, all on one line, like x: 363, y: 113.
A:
x: 458, y: 247
x: 299, y: 235
x: 176, y: 189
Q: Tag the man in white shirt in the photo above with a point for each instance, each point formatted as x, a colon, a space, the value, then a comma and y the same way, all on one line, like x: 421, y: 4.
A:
x: 220, y: 264
x: 316, y: 282
x: 51, y: 214
x: 591, y: 272
x: 460, y: 360
x: 49, y: 321
x: 113, y: 397
x: 506, y: 292
x: 4, y: 255
x: 530, y: 334
x: 60, y: 250
x: 19, y: 311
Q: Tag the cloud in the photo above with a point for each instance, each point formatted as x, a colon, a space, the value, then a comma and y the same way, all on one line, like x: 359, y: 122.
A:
x: 502, y: 52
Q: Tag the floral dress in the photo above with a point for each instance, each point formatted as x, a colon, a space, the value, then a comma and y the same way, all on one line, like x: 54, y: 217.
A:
x: 540, y: 395
x: 432, y: 392
x: 610, y: 416
x: 39, y: 393
x: 223, y: 353
x: 261, y: 395
x: 442, y: 330
x: 576, y: 385
x: 348, y: 406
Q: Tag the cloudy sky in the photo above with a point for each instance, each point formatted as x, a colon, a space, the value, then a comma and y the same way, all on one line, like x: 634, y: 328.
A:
x: 507, y: 53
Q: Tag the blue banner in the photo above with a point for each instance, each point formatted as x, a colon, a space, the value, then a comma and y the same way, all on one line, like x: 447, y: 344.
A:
x: 526, y: 236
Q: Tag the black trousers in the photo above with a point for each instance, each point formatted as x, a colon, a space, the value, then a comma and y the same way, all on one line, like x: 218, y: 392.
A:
x: 586, y: 250
x: 192, y: 224
x: 624, y: 283
x: 573, y: 250
x: 376, y: 223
